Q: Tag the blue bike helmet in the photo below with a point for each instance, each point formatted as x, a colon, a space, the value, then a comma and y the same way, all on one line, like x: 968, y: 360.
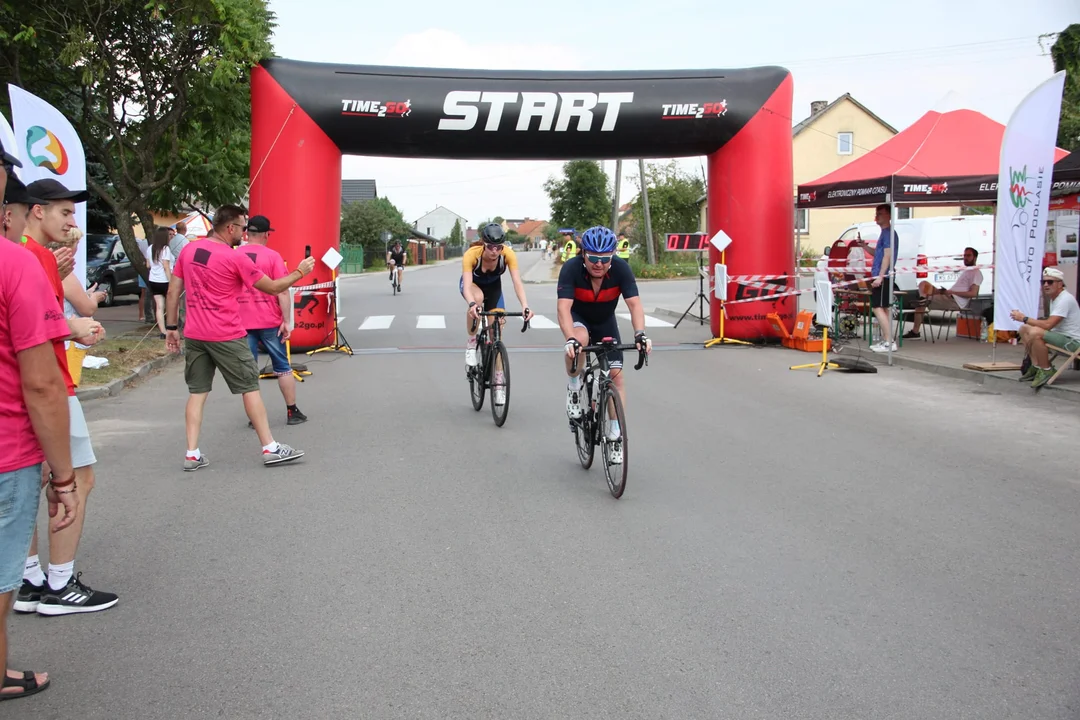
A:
x: 598, y: 239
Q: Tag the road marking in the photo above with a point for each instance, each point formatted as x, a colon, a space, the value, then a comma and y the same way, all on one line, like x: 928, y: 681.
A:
x: 650, y: 321
x: 377, y: 322
x: 539, y: 322
x: 430, y: 322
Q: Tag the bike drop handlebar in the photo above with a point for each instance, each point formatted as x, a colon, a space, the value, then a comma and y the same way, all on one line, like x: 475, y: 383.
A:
x: 643, y: 357
x: 524, y: 327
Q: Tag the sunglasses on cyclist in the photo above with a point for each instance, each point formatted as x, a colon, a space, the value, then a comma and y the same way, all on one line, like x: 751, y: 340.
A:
x: 1048, y: 282
x: 497, y: 247
x: 605, y: 259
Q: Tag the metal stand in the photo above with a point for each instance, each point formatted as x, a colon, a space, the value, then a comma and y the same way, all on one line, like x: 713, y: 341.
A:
x: 339, y: 343
x: 723, y: 316
x: 298, y: 371
x: 824, y: 364
x: 701, y: 297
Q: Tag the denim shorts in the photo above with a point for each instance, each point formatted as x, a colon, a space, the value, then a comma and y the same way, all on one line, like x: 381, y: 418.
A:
x: 20, y: 491
x: 274, y: 346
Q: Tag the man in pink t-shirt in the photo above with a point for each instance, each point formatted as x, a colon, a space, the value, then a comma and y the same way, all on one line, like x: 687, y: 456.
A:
x: 213, y: 275
x: 34, y: 423
x: 264, y: 316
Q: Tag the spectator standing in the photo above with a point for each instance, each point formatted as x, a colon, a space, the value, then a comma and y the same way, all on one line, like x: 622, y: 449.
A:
x: 214, y: 275
x: 34, y: 422
x: 266, y: 317
x: 159, y: 261
x: 62, y: 592
x: 882, y: 273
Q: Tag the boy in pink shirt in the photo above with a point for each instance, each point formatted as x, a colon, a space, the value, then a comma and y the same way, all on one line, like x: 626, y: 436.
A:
x: 214, y: 275
x: 264, y: 316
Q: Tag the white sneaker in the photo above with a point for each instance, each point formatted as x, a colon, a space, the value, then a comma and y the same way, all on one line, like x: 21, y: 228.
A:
x: 470, y: 357
x: 573, y: 403
x: 883, y: 347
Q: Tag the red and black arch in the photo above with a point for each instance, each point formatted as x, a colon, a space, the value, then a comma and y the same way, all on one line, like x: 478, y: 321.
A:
x: 305, y: 116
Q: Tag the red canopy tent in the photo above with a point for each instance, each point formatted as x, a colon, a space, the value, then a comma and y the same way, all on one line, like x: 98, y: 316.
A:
x: 942, y: 159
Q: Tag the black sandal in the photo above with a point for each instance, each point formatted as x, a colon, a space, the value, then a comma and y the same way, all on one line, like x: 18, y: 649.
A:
x: 28, y: 683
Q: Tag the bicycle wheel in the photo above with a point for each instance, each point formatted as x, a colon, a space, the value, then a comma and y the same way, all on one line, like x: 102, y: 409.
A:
x: 613, y: 452
x: 500, y: 356
x: 477, y: 376
x: 584, y: 438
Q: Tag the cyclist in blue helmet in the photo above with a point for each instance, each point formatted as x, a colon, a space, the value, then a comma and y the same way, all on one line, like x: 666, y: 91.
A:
x: 589, y: 289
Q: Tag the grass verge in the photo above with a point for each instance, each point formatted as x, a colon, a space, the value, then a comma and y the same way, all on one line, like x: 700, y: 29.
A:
x: 125, y: 354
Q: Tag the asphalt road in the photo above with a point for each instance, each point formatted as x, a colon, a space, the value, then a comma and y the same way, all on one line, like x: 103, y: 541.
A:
x: 896, y: 545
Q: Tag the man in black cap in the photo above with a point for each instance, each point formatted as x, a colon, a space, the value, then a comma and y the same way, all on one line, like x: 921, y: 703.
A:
x: 62, y: 592
x: 17, y: 204
x: 266, y: 317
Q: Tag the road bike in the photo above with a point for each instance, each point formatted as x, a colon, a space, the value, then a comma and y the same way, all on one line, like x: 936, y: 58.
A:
x: 492, y: 369
x: 602, y: 405
x: 394, y: 281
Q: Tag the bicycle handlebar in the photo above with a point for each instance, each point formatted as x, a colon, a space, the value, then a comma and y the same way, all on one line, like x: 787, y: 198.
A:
x: 507, y: 314
x: 643, y: 357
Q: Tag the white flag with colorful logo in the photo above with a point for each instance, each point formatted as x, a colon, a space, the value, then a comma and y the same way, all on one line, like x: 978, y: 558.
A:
x: 49, y: 147
x: 7, y: 138
x: 1023, y: 204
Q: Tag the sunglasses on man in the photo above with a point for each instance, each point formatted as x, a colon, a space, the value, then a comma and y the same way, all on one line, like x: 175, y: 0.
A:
x: 1048, y: 282
x: 605, y: 259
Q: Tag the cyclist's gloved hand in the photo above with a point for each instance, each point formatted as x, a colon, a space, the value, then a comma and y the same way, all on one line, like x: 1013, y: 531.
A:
x: 643, y: 342
x: 572, y: 347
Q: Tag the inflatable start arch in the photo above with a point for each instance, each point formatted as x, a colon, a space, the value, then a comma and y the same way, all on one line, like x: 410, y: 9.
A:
x: 306, y: 115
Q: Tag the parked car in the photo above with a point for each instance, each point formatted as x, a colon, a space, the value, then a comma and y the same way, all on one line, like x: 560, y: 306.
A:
x: 108, y: 265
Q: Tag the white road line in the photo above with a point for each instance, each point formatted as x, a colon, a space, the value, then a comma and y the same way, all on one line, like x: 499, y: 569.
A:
x: 430, y: 322
x: 539, y: 322
x: 650, y: 321
x: 377, y: 322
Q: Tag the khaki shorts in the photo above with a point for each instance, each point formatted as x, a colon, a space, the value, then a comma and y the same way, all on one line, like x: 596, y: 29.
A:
x: 232, y: 357
x: 1061, y: 340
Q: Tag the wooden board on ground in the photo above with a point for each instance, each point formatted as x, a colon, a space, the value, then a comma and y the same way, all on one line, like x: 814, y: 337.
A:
x: 992, y: 366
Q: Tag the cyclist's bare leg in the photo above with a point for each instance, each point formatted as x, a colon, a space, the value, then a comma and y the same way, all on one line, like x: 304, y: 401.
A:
x: 400, y: 274
x: 620, y: 385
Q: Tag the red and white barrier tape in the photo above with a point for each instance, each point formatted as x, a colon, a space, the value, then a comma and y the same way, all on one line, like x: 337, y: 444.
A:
x: 316, y: 286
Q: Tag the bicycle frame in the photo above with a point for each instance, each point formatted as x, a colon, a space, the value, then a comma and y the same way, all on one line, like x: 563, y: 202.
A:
x: 596, y: 361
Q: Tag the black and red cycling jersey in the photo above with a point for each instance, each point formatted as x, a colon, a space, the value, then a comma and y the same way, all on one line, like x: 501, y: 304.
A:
x: 596, y: 306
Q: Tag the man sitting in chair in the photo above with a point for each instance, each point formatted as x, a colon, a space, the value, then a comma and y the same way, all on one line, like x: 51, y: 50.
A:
x: 1061, y: 329
x: 958, y: 297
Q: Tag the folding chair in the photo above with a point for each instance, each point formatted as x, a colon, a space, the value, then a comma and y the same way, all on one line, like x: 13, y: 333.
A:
x: 1056, y: 352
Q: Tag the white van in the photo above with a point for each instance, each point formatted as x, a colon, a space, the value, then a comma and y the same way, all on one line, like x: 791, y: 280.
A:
x: 932, y: 242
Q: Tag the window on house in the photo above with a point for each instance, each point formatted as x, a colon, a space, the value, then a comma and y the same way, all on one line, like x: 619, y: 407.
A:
x: 802, y: 221
x: 845, y: 143
x: 903, y: 213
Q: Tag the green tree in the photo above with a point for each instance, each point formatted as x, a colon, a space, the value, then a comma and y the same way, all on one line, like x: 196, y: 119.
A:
x: 363, y: 222
x: 673, y: 196
x: 581, y: 198
x: 457, y: 237
x: 1065, y: 53
x: 158, y: 92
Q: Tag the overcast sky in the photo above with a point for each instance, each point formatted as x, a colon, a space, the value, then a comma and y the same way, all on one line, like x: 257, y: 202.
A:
x: 898, y: 59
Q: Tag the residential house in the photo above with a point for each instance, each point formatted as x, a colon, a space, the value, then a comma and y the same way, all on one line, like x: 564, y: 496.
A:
x: 832, y: 136
x: 439, y: 222
x: 471, y: 235
x: 357, y: 190
x: 532, y: 229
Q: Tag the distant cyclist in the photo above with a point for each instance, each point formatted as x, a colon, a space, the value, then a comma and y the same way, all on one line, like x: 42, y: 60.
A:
x: 589, y: 289
x: 395, y: 258
x: 482, y: 268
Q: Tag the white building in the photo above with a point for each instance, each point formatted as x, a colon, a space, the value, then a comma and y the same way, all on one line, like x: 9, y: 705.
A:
x: 439, y: 222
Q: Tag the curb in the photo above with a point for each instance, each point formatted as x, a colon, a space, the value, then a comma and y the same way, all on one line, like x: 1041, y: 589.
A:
x: 114, y: 388
x: 995, y: 381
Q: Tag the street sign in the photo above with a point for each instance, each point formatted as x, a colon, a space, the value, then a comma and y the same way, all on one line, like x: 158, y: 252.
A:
x: 687, y: 242
x: 720, y: 240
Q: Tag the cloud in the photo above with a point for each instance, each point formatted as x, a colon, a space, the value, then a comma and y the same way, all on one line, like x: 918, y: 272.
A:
x: 442, y: 48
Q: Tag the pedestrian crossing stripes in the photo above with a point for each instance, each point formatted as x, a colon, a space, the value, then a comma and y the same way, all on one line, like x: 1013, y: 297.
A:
x: 438, y: 322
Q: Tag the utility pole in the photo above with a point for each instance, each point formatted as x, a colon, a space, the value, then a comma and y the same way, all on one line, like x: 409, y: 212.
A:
x: 615, y: 198
x: 650, y: 251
